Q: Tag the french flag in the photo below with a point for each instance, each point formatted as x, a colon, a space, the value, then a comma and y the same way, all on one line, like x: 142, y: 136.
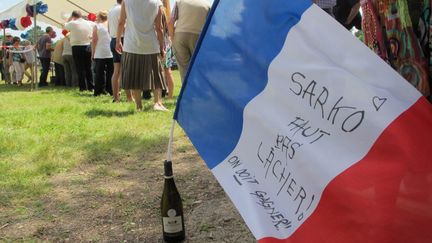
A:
x: 312, y: 136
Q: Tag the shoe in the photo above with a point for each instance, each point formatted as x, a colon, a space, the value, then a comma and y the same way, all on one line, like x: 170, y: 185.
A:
x: 159, y: 107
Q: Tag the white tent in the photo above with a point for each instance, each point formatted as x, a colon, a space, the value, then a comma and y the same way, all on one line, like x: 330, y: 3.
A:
x: 15, y: 11
x: 59, y: 10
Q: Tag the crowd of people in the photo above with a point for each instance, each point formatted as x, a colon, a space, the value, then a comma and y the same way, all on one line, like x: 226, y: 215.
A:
x: 18, y: 61
x: 132, y: 46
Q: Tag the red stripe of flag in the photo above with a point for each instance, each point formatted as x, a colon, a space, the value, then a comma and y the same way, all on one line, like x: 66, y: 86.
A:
x: 384, y: 198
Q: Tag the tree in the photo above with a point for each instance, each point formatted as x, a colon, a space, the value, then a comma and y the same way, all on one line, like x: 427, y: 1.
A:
x: 39, y: 32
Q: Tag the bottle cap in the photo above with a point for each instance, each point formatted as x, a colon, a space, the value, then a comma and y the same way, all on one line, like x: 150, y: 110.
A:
x: 168, y: 168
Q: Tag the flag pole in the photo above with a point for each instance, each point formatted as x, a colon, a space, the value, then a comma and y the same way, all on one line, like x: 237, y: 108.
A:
x: 53, y: 20
x: 170, y: 141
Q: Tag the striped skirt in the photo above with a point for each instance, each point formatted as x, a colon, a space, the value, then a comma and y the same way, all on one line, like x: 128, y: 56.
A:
x: 142, y: 72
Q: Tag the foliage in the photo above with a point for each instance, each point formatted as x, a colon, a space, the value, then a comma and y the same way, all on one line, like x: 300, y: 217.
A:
x: 360, y: 35
x: 31, y: 33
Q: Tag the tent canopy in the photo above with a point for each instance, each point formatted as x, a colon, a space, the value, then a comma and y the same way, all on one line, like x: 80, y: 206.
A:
x: 59, y: 9
x: 15, y: 11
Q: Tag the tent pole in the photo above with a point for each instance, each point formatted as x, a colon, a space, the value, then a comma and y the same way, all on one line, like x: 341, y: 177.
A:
x: 53, y: 20
x: 78, y: 6
x: 4, y: 51
x: 35, y: 78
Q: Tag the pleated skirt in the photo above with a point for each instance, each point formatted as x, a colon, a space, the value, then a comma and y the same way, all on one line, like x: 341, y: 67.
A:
x: 142, y: 72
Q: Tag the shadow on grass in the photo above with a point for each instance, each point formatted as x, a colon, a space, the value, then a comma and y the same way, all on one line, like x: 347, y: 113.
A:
x: 126, y: 145
x: 26, y: 87
x: 85, y: 93
x: 107, y: 152
x: 108, y: 113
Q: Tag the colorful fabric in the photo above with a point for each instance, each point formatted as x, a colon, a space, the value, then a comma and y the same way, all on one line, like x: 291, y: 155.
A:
x: 167, y: 62
x: 389, y: 32
x: 169, y: 58
x: 425, y: 34
x: 17, y: 57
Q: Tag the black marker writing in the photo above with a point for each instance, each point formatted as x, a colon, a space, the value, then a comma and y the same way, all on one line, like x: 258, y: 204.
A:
x: 349, y: 118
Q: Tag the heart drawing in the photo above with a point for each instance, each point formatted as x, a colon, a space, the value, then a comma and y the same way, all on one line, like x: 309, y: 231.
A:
x: 378, y: 102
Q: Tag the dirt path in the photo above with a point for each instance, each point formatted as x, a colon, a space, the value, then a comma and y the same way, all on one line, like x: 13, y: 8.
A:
x: 119, y: 202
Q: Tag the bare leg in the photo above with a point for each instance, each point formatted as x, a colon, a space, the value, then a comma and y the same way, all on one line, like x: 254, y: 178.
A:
x: 157, y: 93
x: 137, y: 97
x: 157, y: 96
x: 129, y: 95
x: 115, y: 81
x: 170, y: 81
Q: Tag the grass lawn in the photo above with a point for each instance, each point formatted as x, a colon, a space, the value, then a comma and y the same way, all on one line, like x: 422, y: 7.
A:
x: 78, y: 168
x: 54, y: 129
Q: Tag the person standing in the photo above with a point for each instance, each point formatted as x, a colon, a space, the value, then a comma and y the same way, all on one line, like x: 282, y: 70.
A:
x: 30, y: 60
x: 7, y: 44
x: 71, y: 75
x: 2, y: 56
x: 168, y: 61
x: 44, y: 48
x: 17, y: 60
x: 187, y: 21
x: 80, y: 36
x: 101, y: 53
x: 59, y: 64
x: 143, y: 43
x: 113, y: 20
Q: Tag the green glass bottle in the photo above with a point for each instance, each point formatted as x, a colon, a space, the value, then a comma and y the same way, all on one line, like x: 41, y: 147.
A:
x: 171, y: 209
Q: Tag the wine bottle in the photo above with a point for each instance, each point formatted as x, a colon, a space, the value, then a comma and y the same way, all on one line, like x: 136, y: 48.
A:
x: 171, y: 208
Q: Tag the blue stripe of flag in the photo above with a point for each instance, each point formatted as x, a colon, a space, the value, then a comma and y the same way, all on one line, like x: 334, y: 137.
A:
x: 229, y: 69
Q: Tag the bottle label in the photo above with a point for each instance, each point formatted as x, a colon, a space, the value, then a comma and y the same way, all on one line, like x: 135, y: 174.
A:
x: 172, y: 223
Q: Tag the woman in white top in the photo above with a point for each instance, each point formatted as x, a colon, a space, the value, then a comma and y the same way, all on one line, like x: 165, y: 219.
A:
x: 101, y: 53
x: 30, y: 59
x: 142, y: 48
x: 71, y: 75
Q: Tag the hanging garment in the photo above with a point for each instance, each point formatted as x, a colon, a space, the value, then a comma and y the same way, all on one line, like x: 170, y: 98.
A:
x: 389, y: 32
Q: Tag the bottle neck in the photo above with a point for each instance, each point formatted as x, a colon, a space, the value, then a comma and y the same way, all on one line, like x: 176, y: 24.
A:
x: 168, y: 171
